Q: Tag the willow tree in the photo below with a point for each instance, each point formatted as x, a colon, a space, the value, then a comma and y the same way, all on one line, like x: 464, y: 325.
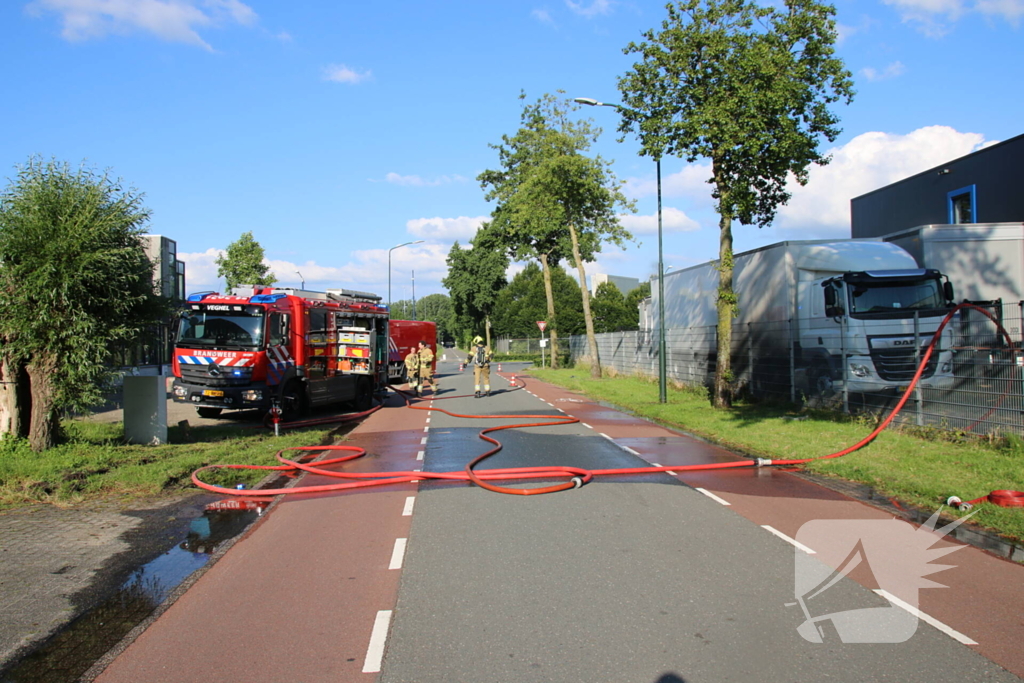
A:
x: 74, y: 281
x: 554, y: 203
x: 749, y: 87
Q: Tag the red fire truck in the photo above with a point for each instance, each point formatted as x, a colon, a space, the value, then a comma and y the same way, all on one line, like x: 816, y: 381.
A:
x: 260, y: 345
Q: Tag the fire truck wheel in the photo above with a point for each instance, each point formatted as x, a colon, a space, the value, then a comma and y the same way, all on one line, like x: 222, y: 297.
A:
x: 821, y: 382
x: 209, y: 413
x: 364, y: 395
x: 292, y: 401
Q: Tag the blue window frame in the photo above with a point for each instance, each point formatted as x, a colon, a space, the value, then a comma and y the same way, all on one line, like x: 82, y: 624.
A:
x: 963, y: 206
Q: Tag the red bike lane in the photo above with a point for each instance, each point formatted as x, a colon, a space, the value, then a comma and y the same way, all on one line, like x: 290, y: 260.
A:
x: 302, y: 595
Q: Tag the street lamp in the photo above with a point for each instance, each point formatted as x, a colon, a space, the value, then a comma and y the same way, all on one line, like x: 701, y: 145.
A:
x: 662, y: 389
x: 302, y: 280
x: 397, y: 246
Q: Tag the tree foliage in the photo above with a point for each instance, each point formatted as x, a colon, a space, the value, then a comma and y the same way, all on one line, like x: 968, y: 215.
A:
x: 523, y: 302
x: 749, y: 87
x: 75, y: 282
x: 437, y: 308
x: 475, y: 276
x: 611, y: 314
x: 242, y: 264
x: 554, y: 203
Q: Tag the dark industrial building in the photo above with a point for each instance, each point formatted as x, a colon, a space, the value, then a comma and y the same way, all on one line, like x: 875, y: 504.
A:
x: 986, y: 186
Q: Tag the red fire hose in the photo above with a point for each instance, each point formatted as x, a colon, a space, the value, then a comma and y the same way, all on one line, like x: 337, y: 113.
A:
x: 577, y: 476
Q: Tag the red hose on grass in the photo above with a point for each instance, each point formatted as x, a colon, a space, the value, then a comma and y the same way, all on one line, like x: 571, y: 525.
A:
x: 577, y: 476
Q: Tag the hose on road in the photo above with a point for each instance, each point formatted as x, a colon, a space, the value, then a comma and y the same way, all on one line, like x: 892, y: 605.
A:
x: 577, y: 476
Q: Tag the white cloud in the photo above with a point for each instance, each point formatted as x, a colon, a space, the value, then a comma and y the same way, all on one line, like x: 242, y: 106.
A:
x: 672, y: 220
x: 866, y: 163
x: 594, y: 9
x: 1011, y: 10
x: 690, y: 182
x: 201, y: 269
x: 933, y: 17
x: 543, y: 16
x: 462, y: 227
x: 891, y: 71
x: 171, y: 20
x: 339, y: 73
x: 418, y: 181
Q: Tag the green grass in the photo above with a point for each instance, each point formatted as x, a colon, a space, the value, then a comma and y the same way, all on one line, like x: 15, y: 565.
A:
x: 95, y: 464
x: 919, y: 467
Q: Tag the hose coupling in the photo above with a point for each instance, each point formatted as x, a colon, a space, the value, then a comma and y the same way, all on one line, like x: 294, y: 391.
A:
x: 955, y: 502
x: 577, y: 482
x: 762, y: 462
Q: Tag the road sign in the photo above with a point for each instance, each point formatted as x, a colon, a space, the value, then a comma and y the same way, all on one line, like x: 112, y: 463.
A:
x: 542, y: 324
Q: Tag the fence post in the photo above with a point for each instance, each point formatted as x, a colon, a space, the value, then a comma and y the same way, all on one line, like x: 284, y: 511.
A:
x: 846, y: 369
x: 917, y: 363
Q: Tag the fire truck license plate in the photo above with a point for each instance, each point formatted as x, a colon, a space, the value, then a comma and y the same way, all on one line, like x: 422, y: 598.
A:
x: 212, y: 392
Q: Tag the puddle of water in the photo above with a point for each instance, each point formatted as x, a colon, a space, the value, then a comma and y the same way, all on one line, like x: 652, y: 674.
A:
x: 70, y: 653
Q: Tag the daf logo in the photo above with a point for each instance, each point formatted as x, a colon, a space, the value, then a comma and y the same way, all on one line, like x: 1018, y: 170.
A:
x: 903, y: 342
x: 214, y: 370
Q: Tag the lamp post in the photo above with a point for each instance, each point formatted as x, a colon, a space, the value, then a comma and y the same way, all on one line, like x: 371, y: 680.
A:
x: 662, y: 389
x: 404, y: 244
x: 302, y: 280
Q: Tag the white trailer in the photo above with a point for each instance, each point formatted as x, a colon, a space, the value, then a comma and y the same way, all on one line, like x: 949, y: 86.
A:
x: 820, y: 302
x: 984, y: 260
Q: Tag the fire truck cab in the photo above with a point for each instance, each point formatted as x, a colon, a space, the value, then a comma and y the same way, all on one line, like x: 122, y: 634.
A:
x: 260, y: 345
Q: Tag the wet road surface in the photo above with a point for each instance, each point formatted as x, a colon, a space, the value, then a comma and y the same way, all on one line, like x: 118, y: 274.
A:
x: 635, y: 579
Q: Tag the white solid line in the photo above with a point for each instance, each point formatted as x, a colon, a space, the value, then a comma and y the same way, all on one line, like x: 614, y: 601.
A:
x: 630, y: 450
x: 419, y: 456
x: 378, y: 638
x: 789, y: 540
x: 409, y: 502
x: 713, y: 496
x: 398, y: 553
x: 952, y: 633
x: 586, y: 425
x: 607, y: 437
x: 423, y: 441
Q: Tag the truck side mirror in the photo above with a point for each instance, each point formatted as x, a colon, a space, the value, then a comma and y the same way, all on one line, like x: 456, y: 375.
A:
x: 947, y: 291
x: 832, y: 307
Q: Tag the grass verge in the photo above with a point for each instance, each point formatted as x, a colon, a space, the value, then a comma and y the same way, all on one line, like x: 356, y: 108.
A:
x: 95, y: 463
x: 919, y: 467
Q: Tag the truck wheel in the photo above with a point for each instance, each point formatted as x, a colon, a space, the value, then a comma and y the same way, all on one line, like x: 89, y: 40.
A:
x: 293, y: 401
x: 821, y: 382
x: 209, y: 413
x: 364, y: 395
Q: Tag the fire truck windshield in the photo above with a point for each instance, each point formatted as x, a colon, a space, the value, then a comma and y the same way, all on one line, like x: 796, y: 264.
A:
x: 240, y: 326
x: 891, y: 297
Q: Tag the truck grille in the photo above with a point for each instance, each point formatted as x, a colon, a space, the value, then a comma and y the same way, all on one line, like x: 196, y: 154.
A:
x: 200, y: 375
x: 897, y: 365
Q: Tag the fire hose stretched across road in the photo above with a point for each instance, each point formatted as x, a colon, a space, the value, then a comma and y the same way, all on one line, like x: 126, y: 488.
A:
x: 576, y: 476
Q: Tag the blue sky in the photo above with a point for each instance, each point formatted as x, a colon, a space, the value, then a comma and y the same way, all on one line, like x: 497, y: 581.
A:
x: 336, y: 130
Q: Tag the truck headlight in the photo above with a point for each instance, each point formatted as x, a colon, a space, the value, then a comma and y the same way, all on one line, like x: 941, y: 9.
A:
x: 860, y: 370
x: 180, y: 392
x: 252, y: 396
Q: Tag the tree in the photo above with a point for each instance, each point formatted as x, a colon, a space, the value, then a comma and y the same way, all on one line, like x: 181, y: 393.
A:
x: 242, y: 264
x: 437, y: 308
x: 553, y: 202
x: 475, y: 276
x: 633, y: 300
x: 524, y: 301
x: 748, y: 87
x: 610, y: 311
x: 75, y: 282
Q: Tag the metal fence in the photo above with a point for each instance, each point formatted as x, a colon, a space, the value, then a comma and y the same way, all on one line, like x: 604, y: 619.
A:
x: 506, y: 345
x: 983, y: 394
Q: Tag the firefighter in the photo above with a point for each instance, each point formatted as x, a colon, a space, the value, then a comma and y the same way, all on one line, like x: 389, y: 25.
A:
x: 427, y: 366
x: 412, y: 370
x: 480, y: 357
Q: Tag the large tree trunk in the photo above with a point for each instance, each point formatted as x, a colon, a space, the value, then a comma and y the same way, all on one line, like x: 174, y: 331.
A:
x: 726, y: 311
x: 595, y: 361
x: 552, y: 327
x: 487, y: 330
x: 44, y: 424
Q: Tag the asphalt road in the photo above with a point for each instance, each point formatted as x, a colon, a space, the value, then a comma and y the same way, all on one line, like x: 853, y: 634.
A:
x: 630, y: 580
